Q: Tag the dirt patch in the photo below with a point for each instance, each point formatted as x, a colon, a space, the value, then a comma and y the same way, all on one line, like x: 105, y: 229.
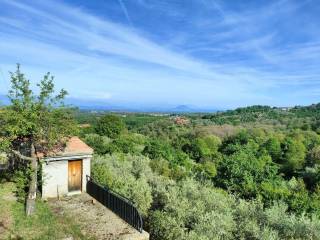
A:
x: 94, y: 218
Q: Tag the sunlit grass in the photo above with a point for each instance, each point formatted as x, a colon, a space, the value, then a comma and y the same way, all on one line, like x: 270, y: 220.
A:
x: 43, y: 225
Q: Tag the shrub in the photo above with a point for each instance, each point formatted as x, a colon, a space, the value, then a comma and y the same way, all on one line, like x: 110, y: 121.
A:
x: 126, y: 176
x: 290, y: 226
x: 21, y: 177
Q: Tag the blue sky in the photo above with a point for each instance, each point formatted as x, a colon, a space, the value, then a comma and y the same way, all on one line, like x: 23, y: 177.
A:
x: 204, y: 53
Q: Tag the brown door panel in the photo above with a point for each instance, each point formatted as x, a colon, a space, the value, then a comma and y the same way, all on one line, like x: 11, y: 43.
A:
x: 74, y: 175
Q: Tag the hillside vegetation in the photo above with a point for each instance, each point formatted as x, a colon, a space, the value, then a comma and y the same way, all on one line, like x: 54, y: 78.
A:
x: 250, y: 173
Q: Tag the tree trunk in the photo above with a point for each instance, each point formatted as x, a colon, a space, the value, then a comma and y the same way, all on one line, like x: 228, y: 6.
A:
x: 31, y: 200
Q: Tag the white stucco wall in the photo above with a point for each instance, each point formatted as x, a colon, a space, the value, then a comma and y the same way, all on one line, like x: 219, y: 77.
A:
x: 55, y: 177
x: 86, y: 170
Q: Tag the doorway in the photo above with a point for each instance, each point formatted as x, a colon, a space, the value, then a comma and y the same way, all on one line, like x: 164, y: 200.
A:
x: 75, y: 175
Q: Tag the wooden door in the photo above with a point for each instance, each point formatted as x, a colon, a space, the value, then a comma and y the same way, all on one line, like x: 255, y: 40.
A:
x: 75, y: 175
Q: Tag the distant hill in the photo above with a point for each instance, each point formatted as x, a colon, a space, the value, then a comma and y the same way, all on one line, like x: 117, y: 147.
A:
x: 268, y: 115
x: 190, y: 109
x: 183, y: 108
x: 100, y: 105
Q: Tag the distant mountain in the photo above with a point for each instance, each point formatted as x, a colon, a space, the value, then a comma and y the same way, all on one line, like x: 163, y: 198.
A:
x: 100, y: 105
x: 191, y: 109
x: 107, y: 106
x: 183, y: 108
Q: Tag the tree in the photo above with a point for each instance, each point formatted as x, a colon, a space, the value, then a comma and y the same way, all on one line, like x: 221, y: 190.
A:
x: 34, y: 123
x: 110, y: 125
x: 273, y: 146
x: 314, y: 155
x: 157, y: 149
x: 294, y: 155
x: 245, y: 170
x: 207, y: 147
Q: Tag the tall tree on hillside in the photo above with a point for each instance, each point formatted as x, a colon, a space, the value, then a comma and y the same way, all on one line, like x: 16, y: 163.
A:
x: 39, y: 121
x: 110, y: 125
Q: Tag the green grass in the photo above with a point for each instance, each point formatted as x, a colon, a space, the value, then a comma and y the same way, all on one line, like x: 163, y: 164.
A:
x: 43, y: 225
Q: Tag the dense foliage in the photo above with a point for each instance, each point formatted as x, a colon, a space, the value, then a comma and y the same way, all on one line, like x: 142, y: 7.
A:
x: 251, y: 173
x: 110, y: 126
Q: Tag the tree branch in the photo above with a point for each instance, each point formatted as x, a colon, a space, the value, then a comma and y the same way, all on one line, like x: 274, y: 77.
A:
x: 18, y: 154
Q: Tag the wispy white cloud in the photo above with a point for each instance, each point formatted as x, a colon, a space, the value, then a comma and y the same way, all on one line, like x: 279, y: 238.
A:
x: 232, y: 62
x: 125, y: 11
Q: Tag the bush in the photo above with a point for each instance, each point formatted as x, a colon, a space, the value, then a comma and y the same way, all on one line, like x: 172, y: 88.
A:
x: 290, y: 226
x: 189, y: 208
x: 125, y: 176
x: 21, y: 177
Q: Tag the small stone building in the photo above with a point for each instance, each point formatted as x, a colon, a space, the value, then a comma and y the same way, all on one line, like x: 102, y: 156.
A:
x: 66, y: 171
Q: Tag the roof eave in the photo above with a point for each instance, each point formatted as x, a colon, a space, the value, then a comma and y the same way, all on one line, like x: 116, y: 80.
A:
x: 67, y: 157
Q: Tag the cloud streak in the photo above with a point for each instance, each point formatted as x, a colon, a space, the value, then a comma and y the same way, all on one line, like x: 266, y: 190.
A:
x: 226, y: 58
x: 125, y: 11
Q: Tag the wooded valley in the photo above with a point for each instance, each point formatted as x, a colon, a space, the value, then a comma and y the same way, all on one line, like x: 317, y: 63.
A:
x: 248, y: 173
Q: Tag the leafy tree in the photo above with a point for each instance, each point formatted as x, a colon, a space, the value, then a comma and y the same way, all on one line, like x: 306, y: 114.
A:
x: 314, y: 155
x: 127, y: 143
x: 206, y: 170
x: 110, y: 125
x: 294, y: 155
x: 159, y: 149
x: 312, y: 177
x: 205, y: 148
x: 234, y: 143
x: 100, y: 144
x: 244, y: 171
x: 34, y: 124
x: 273, y: 146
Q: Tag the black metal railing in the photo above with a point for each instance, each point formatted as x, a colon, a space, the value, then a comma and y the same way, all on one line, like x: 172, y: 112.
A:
x: 118, y: 204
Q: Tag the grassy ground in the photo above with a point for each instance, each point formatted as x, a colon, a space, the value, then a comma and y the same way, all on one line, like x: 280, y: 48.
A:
x: 45, y: 224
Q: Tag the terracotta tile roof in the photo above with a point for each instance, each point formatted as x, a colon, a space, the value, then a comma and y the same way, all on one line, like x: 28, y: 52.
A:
x: 75, y: 146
